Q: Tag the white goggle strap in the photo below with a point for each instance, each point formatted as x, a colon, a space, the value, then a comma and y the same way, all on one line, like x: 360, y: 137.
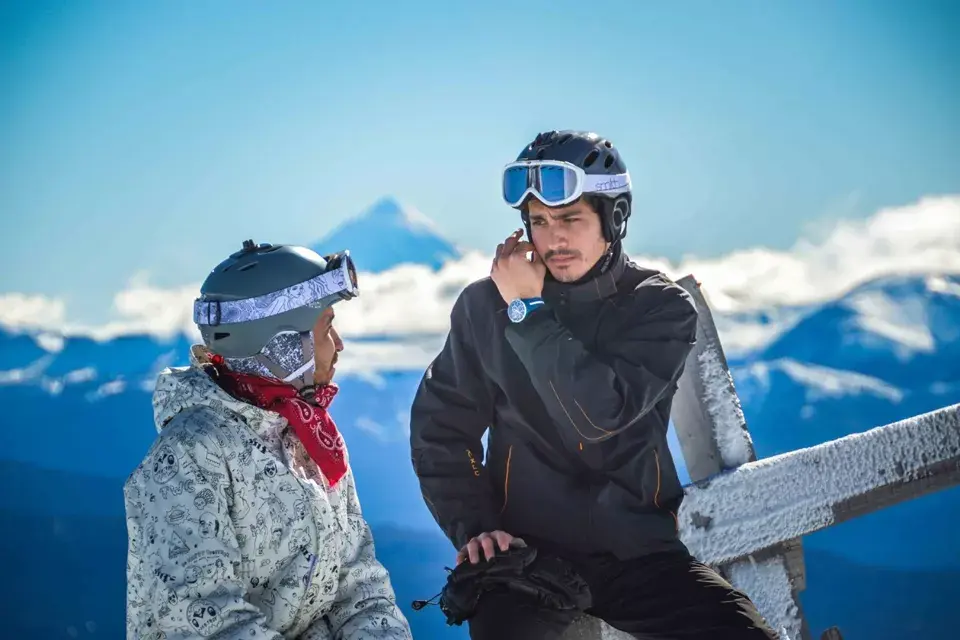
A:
x: 304, y: 368
x: 619, y: 183
x: 317, y: 291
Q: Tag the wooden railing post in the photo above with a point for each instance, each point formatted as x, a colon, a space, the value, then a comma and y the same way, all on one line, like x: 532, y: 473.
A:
x: 713, y: 436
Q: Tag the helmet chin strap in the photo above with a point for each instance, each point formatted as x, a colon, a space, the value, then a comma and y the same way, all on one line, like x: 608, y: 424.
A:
x: 309, y: 365
x: 305, y: 352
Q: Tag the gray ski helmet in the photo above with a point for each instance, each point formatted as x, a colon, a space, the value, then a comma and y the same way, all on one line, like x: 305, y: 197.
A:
x: 262, y: 291
x: 596, y: 156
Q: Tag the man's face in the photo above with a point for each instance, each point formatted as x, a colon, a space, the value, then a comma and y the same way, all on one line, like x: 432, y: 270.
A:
x: 569, y: 239
x: 327, y: 346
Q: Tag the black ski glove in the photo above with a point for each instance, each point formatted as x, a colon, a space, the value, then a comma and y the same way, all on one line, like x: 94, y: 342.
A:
x: 549, y: 580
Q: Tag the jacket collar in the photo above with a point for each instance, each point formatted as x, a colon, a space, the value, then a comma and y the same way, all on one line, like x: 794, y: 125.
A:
x: 181, y: 388
x: 598, y: 288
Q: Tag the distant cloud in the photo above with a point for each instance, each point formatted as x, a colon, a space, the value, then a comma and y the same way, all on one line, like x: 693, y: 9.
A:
x: 414, y: 302
x: 22, y: 311
x: 923, y: 237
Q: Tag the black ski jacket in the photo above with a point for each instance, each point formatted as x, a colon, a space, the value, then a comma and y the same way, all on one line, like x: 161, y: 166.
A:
x: 576, y: 397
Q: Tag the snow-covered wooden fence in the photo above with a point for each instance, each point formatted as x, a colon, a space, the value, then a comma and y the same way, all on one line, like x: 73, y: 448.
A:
x: 746, y: 517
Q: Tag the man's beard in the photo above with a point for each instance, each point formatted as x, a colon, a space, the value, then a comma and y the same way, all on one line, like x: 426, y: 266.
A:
x: 562, y: 273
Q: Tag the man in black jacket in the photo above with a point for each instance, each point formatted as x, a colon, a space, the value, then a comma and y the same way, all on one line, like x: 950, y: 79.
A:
x: 571, y: 360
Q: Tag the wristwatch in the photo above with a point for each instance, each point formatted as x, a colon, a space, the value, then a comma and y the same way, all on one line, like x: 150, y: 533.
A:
x: 520, y: 308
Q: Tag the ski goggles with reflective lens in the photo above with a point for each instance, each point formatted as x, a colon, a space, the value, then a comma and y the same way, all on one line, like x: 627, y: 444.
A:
x: 556, y: 183
x: 338, y: 282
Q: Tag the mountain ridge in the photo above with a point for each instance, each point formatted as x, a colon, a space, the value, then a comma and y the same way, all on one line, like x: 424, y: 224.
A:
x: 387, y: 234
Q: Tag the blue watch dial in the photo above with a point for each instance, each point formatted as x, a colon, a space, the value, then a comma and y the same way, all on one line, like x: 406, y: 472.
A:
x: 517, y: 311
x: 519, y: 308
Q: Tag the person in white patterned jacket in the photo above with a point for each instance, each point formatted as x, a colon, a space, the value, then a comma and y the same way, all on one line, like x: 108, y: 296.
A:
x: 243, y: 518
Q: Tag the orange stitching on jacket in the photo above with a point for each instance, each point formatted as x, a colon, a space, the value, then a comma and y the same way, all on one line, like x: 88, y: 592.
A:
x: 506, y: 480
x: 656, y: 495
x: 606, y: 434
x: 582, y: 434
x: 591, y: 421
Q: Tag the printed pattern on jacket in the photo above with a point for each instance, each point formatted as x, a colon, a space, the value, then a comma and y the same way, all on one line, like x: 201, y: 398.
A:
x: 234, y: 532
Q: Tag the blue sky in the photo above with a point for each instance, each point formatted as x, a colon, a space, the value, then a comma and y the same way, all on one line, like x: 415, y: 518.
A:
x: 155, y: 136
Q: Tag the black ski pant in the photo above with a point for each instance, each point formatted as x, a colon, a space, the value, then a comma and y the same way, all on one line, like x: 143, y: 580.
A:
x: 666, y: 596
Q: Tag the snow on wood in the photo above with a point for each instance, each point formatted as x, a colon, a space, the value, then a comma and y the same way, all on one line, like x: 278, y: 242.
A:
x: 768, y: 585
x: 706, y: 411
x: 723, y: 405
x: 770, y: 501
x: 589, y: 628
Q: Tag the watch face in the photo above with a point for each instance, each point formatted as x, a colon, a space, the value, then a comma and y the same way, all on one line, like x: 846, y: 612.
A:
x: 516, y: 311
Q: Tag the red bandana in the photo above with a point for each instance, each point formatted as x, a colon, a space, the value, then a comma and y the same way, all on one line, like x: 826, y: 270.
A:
x: 312, y: 423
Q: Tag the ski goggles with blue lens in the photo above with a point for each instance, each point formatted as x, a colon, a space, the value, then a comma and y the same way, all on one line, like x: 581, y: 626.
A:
x: 556, y: 183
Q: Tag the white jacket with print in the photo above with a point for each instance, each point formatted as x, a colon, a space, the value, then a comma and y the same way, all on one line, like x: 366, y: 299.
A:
x: 234, y: 532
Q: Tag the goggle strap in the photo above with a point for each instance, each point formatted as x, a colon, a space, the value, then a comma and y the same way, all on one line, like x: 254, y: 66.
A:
x: 606, y: 183
x: 337, y: 282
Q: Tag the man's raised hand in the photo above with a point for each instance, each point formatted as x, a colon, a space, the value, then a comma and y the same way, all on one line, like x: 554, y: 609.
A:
x: 515, y: 275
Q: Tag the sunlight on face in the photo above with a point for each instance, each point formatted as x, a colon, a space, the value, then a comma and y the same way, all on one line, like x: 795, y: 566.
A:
x: 569, y: 239
x: 327, y: 346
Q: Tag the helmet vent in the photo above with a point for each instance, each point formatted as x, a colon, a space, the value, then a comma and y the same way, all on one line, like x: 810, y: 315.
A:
x: 608, y: 144
x: 247, y: 267
x: 564, y: 138
x: 220, y: 335
x: 591, y: 158
x: 608, y: 161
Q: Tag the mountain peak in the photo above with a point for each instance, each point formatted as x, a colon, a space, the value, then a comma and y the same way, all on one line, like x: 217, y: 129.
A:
x: 390, y: 209
x: 387, y: 234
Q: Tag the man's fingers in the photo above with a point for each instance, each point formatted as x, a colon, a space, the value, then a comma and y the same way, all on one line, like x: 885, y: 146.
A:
x: 489, y: 542
x: 510, y: 243
x: 522, y: 248
x: 488, y: 551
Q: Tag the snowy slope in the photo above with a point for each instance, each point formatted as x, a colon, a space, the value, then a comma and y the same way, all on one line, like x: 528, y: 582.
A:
x: 900, y: 329
x: 389, y: 234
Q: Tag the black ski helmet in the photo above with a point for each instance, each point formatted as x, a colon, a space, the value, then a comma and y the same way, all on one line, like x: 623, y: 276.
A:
x: 596, y: 156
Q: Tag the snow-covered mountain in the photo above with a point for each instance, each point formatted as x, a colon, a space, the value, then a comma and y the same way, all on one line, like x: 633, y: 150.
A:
x: 77, y: 419
x: 387, y: 235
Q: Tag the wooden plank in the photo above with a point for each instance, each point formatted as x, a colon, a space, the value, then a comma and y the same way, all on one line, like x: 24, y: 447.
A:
x: 589, y: 628
x: 766, y: 581
x: 929, y: 479
x: 763, y: 504
x: 692, y: 421
x: 700, y: 423
x: 583, y: 628
x: 716, y: 399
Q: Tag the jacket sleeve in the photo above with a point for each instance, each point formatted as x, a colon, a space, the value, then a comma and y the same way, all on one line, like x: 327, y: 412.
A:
x: 450, y: 413
x: 594, y: 396
x: 366, y: 605
x: 180, y: 562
